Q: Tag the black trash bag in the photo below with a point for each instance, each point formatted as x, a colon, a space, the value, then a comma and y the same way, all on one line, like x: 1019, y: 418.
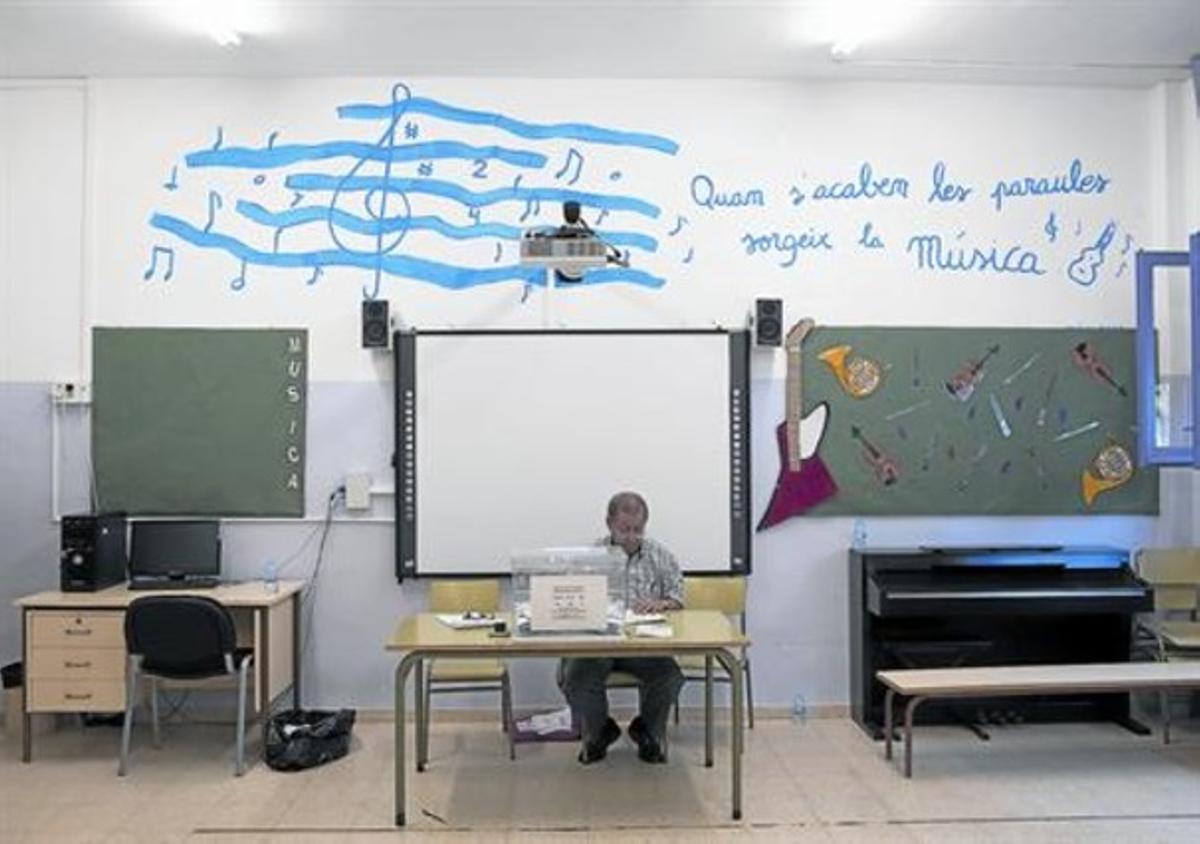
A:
x: 12, y: 676
x: 305, y: 738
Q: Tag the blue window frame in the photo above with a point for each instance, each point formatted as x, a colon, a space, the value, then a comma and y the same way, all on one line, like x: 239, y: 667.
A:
x: 1150, y: 453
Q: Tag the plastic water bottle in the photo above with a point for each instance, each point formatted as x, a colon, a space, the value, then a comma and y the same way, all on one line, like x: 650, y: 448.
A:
x: 858, y: 539
x: 271, y: 576
x: 799, y: 709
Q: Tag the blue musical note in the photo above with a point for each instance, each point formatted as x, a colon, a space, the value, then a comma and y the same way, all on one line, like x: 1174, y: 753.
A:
x: 1083, y: 269
x: 496, y: 258
x: 170, y: 258
x: 680, y: 222
x: 381, y: 192
x: 425, y: 168
x: 687, y: 259
x: 573, y: 158
x: 220, y: 138
x: 296, y: 198
x: 614, y: 175
x: 239, y: 282
x: 532, y: 207
x: 173, y: 182
x: 214, y: 202
x: 271, y: 139
x: 869, y: 239
x: 317, y: 273
x: 1051, y: 228
x: 411, y: 130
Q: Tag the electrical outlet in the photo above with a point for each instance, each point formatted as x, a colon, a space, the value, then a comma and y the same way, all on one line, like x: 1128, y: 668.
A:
x: 358, y: 491
x: 71, y: 392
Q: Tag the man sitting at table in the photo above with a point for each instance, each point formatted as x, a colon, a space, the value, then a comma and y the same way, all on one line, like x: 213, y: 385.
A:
x: 654, y: 585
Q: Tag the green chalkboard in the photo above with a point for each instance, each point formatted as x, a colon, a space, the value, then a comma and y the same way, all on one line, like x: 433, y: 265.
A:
x: 977, y: 421
x: 199, y: 421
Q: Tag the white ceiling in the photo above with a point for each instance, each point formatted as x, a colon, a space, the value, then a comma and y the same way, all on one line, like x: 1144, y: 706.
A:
x: 1069, y: 41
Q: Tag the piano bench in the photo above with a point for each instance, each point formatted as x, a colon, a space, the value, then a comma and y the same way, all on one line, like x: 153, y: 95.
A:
x: 920, y: 685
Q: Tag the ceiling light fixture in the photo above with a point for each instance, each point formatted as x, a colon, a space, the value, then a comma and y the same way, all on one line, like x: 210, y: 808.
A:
x: 226, y: 22
x: 846, y: 25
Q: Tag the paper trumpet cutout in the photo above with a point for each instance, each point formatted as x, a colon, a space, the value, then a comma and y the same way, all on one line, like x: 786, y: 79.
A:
x: 1111, y: 468
x: 859, y: 376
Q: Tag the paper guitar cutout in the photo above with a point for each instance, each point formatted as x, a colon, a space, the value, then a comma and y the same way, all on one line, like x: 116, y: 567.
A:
x: 804, y: 481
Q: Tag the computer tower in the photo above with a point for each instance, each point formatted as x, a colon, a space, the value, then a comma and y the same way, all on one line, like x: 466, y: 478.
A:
x: 93, y: 551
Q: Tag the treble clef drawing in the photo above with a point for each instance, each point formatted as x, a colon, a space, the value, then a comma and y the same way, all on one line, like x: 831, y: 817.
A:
x: 389, y: 232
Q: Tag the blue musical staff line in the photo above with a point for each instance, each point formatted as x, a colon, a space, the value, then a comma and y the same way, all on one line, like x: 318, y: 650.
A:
x: 443, y: 275
x: 520, y: 128
x: 370, y: 226
x: 283, y: 156
x: 449, y: 190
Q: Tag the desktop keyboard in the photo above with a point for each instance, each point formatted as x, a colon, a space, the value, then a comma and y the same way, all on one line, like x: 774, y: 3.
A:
x: 174, y: 583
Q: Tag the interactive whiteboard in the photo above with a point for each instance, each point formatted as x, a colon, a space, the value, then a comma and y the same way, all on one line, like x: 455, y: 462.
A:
x: 513, y: 440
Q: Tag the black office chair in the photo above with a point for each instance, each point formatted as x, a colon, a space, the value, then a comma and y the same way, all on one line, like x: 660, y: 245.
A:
x: 181, y: 637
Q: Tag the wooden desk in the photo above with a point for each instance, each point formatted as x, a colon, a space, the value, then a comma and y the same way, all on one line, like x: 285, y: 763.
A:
x: 706, y: 633
x: 74, y: 645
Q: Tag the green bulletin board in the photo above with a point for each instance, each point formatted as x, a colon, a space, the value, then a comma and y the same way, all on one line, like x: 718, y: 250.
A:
x: 1044, y: 422
x: 200, y: 421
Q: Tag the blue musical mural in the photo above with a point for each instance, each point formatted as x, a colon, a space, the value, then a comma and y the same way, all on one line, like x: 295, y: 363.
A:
x: 365, y: 213
x: 394, y: 197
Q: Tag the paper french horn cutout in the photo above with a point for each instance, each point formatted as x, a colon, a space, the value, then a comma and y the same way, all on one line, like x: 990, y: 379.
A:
x: 859, y: 376
x: 1110, y: 468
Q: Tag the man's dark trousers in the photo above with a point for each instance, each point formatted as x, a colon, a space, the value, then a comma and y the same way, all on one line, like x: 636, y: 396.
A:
x: 582, y: 680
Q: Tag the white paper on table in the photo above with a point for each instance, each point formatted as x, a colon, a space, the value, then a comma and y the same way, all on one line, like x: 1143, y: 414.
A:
x: 653, y: 631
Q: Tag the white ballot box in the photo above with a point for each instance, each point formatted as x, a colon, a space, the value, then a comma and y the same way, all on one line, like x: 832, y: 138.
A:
x: 570, y: 590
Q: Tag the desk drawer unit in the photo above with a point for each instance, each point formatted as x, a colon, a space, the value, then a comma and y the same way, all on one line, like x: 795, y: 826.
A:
x: 75, y: 661
x: 58, y: 629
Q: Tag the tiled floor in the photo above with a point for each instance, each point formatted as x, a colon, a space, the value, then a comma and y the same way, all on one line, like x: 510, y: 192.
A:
x: 817, y: 781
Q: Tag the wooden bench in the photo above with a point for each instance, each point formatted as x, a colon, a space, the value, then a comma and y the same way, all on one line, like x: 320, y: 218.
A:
x: 920, y: 685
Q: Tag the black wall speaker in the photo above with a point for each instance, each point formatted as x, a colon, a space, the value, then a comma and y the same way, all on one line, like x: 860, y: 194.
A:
x: 375, y: 324
x: 768, y: 322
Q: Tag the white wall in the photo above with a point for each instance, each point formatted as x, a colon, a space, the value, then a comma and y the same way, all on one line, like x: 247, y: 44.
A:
x: 745, y: 136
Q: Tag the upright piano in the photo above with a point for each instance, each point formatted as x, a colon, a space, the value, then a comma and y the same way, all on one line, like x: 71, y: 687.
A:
x: 938, y: 607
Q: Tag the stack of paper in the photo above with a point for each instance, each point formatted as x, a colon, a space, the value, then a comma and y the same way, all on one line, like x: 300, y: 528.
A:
x: 653, y: 631
x: 462, y: 622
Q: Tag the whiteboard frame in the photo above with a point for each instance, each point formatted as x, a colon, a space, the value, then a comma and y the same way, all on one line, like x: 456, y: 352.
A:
x: 405, y: 351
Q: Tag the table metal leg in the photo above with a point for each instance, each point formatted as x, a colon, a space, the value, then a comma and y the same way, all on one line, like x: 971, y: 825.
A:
x: 27, y: 736
x: 733, y: 667
x: 909, y: 709
x: 422, y: 716
x: 297, y: 656
x: 402, y: 672
x: 889, y: 717
x: 708, y: 711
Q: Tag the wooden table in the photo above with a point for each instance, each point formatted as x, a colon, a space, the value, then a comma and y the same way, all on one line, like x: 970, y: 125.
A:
x: 74, y: 645
x: 706, y: 633
x: 919, y: 685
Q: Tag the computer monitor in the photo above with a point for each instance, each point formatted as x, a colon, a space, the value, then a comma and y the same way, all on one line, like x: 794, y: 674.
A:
x: 175, y: 549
